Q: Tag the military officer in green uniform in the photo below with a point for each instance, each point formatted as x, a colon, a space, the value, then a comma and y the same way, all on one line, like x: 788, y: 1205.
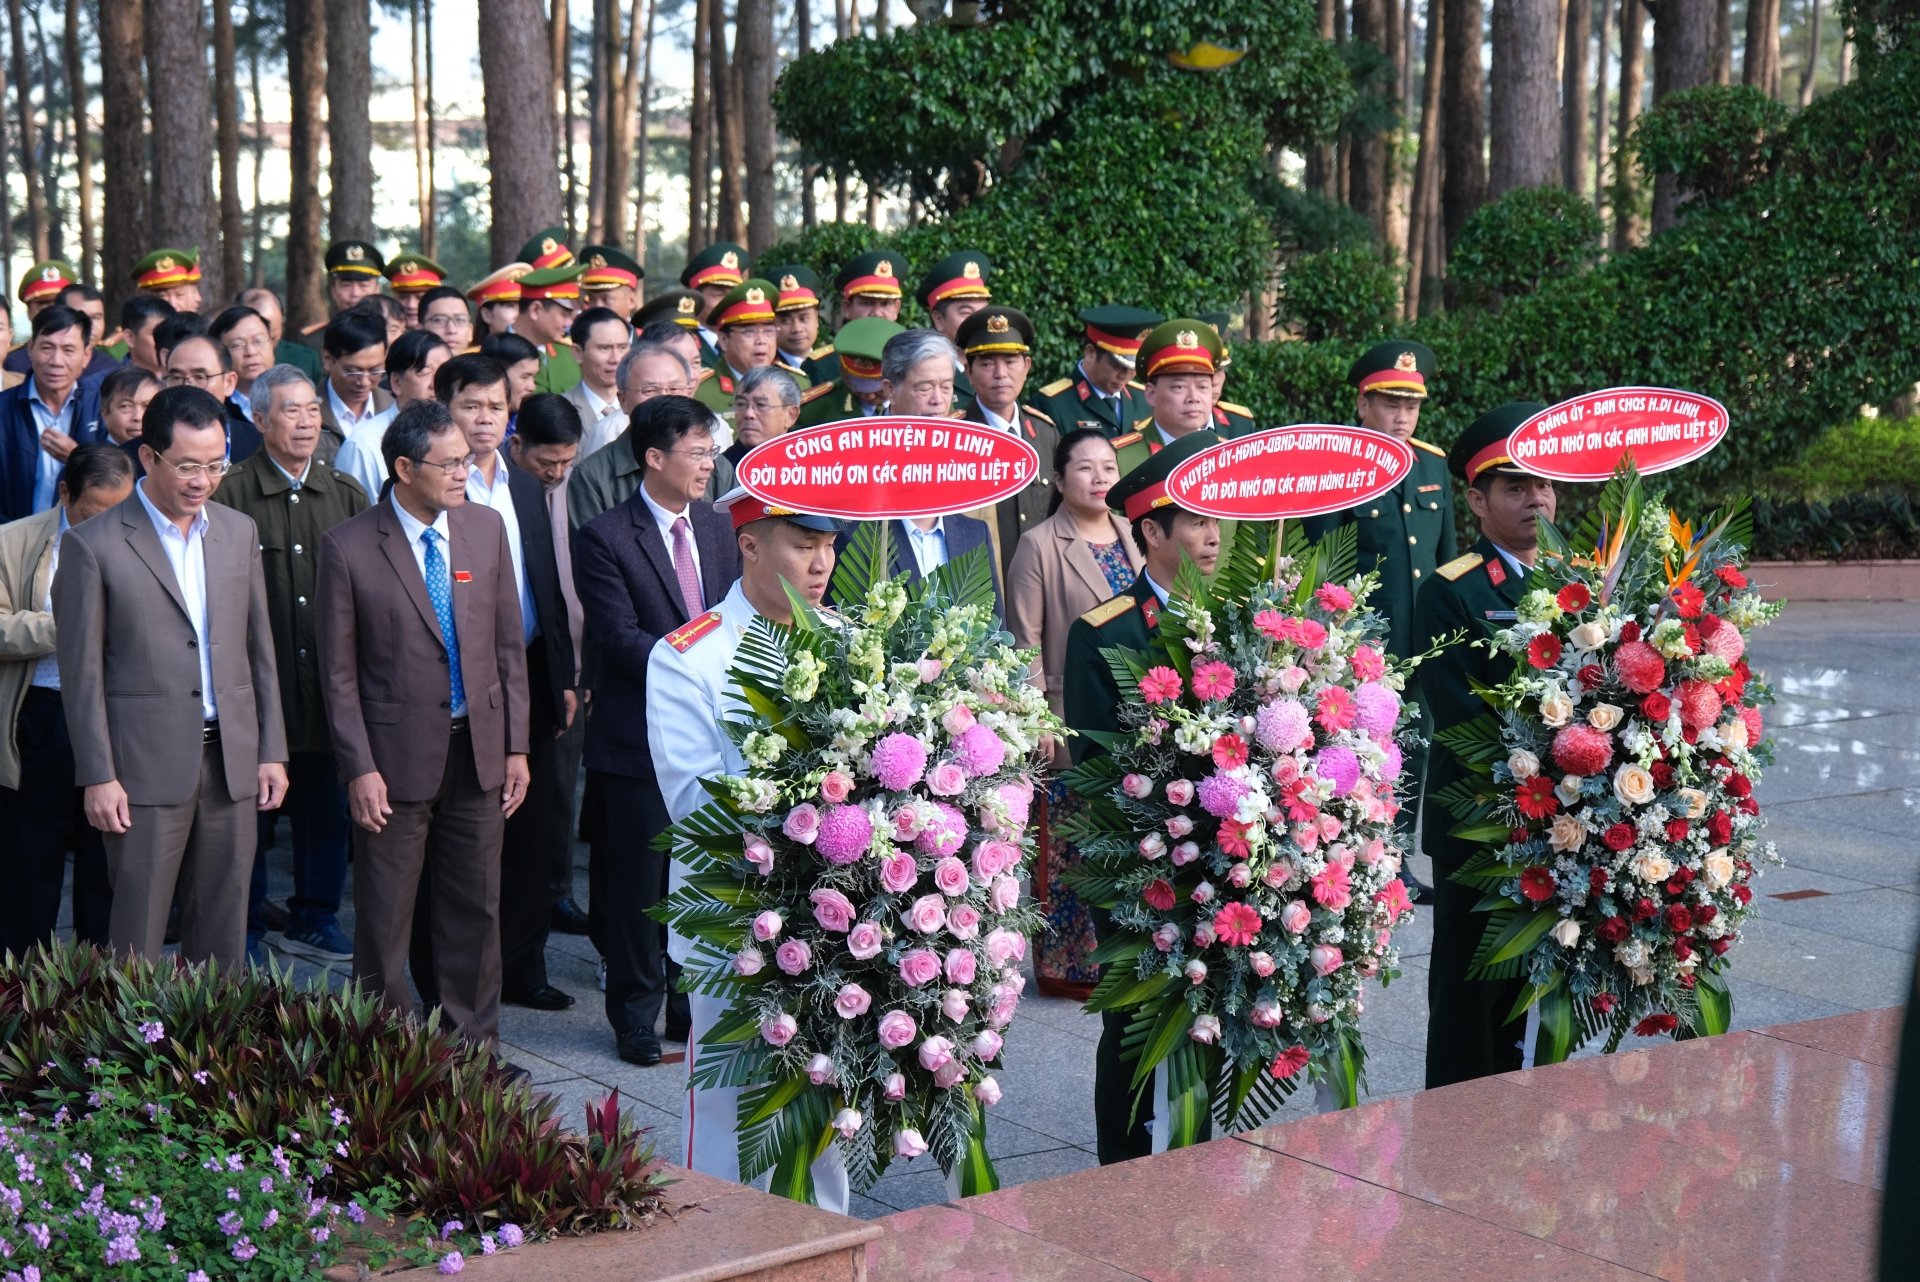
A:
x: 681, y: 306
x: 354, y: 272
x: 549, y: 296
x: 952, y: 290
x: 856, y: 393
x: 410, y: 276
x: 796, y: 318
x: 545, y: 249
x: 612, y: 280
x: 1102, y: 393
x: 997, y: 344
x: 1477, y: 594
x: 749, y: 337
x: 1408, y: 531
x: 712, y: 272
x: 1168, y: 535
x: 1177, y: 359
x: 1229, y: 419
x: 866, y: 287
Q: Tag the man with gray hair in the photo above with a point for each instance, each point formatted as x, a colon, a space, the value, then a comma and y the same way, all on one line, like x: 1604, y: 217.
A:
x: 766, y: 404
x: 608, y: 472
x: 293, y: 499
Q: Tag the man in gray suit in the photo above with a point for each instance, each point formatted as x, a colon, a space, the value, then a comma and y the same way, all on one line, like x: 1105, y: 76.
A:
x: 424, y: 668
x: 170, y: 688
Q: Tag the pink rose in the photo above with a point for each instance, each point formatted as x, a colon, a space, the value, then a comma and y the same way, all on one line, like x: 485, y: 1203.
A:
x: 991, y: 858
x: 1003, y: 946
x: 1196, y: 971
x: 749, y: 961
x: 954, y: 1004
x: 930, y: 670
x: 1278, y: 874
x: 1004, y: 895
x: 1266, y: 1013
x: 1296, y: 916
x: 759, y: 854
x: 960, y: 966
x: 1179, y: 826
x: 848, y: 1122
x: 793, y: 956
x: 851, y: 1001
x: 919, y: 967
x: 1180, y: 792
x: 820, y: 1070
x: 947, y: 779
x: 1240, y: 876
x: 1152, y: 846
x: 865, y: 940
x: 1202, y: 894
x: 1326, y: 959
x: 1166, y: 936
x: 779, y: 1030
x: 927, y: 915
x: 1005, y: 1001
x: 1204, y: 935
x: 898, y: 872
x: 1292, y: 677
x: 836, y: 787
x: 896, y: 1030
x: 934, y: 1052
x: 1205, y: 1029
x: 950, y: 876
x: 1262, y: 963
x: 949, y: 1074
x: 963, y: 921
x: 1138, y: 787
x: 802, y: 823
x: 896, y: 1087
x: 987, y: 1091
x: 833, y: 910
x: 957, y: 721
x: 906, y: 823
x: 1185, y: 853
x: 987, y: 1045
x: 907, y: 1143
x: 767, y: 925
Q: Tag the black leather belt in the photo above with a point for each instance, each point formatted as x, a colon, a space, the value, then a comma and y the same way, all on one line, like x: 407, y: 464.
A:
x: 457, y: 726
x: 210, y: 731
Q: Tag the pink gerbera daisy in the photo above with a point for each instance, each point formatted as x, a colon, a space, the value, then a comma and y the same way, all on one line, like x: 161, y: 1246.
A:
x: 1237, y: 925
x: 1160, y: 685
x: 1212, y: 681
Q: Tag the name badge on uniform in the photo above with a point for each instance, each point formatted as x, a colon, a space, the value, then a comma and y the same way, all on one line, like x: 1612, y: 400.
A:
x: 1427, y: 489
x: 461, y: 576
x: 1503, y: 616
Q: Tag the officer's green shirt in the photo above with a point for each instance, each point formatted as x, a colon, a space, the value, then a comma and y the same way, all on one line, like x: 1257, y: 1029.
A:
x: 300, y: 356
x: 1405, y: 534
x: 1089, y: 698
x: 822, y: 364
x: 559, y: 371
x: 1072, y: 403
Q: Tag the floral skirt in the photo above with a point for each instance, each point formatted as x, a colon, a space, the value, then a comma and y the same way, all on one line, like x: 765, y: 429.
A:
x: 1061, y: 966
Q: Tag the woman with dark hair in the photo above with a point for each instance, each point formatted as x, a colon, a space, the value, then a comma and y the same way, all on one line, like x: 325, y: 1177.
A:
x: 1064, y: 566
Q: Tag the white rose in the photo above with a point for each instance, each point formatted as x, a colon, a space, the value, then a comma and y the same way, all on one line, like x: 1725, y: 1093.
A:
x: 1633, y: 785
x: 1652, y: 867
x: 1556, y: 709
x: 1717, y: 868
x: 1523, y: 764
x: 1568, y: 789
x: 1692, y: 802
x: 1734, y: 734
x: 1566, y: 932
x: 1588, y: 636
x: 1604, y: 716
x: 1567, y: 833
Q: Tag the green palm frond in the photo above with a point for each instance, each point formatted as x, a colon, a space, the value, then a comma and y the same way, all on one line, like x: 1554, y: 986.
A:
x: 965, y: 580
x: 866, y: 560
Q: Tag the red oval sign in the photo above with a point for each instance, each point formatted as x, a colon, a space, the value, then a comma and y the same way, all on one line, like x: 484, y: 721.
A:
x: 1303, y: 470
x: 1585, y: 438
x: 889, y: 466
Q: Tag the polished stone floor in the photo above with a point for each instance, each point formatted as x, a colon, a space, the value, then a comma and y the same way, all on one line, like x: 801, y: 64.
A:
x: 1836, y: 934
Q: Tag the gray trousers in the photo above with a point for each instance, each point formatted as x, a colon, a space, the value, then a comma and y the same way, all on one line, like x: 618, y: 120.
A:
x: 200, y: 851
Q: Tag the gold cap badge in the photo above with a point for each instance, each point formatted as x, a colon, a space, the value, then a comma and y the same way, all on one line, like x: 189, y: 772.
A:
x: 789, y: 284
x: 997, y: 325
x: 355, y: 253
x: 166, y: 264
x: 730, y: 259
x: 686, y: 306
x: 756, y: 295
x: 1406, y: 361
x: 1187, y: 338
x: 883, y: 268
x: 548, y: 245
x: 971, y: 271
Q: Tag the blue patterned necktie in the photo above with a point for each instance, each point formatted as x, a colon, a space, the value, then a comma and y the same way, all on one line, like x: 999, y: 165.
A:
x: 440, y: 592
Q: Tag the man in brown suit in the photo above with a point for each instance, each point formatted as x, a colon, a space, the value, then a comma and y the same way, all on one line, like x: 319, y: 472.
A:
x: 430, y: 729
x: 170, y: 688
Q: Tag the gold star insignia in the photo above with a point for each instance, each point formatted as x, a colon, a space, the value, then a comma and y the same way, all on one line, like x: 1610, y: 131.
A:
x: 1187, y: 338
x: 997, y: 325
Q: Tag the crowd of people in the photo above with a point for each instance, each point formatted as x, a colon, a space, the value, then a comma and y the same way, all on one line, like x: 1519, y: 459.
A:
x: 407, y: 576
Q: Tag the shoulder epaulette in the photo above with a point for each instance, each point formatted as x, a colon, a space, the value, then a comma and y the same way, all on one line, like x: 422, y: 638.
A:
x: 1231, y: 408
x: 1428, y: 446
x: 706, y: 372
x: 1136, y: 385
x: 1128, y: 439
x: 1056, y: 387
x: 1042, y: 415
x: 1107, y: 611
x: 314, y: 328
x: 825, y: 349
x: 1459, y: 566
x: 684, y: 638
x: 815, y: 392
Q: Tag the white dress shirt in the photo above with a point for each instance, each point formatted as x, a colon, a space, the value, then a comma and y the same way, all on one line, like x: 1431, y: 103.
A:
x: 345, y: 417
x: 929, y: 547
x: 499, y: 497
x: 414, y: 528
x: 1157, y: 589
x: 46, y: 672
x: 665, y: 519
x: 994, y: 420
x: 359, y: 455
x: 187, y: 554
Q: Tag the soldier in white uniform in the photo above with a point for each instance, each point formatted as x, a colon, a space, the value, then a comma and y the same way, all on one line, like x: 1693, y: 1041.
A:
x: 688, y: 694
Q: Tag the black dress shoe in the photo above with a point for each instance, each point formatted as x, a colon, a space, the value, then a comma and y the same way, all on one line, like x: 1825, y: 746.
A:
x: 511, y: 1071
x: 274, y: 917
x: 569, y: 918
x: 640, y: 1047
x: 545, y: 997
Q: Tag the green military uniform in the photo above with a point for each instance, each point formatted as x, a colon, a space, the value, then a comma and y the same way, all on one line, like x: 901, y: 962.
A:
x: 721, y: 263
x: 959, y: 275
x: 610, y: 270
x: 559, y: 368
x: 1091, y: 701
x: 875, y: 274
x: 751, y: 302
x: 1477, y: 593
x: 860, y: 343
x: 354, y: 259
x: 990, y: 331
x: 800, y: 288
x: 300, y: 356
x: 1074, y: 402
x: 681, y: 306
x: 546, y: 249
x: 409, y: 273
x: 1182, y: 345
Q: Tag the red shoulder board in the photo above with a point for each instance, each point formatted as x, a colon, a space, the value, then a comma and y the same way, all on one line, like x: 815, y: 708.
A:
x: 683, y: 638
x: 1497, y: 571
x: 1150, y: 610
x: 1219, y: 416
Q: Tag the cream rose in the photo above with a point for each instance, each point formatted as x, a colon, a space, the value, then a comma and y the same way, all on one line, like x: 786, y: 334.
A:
x: 1566, y: 932
x: 1734, y: 733
x: 1568, y: 789
x: 1651, y: 866
x: 1604, y: 716
x: 1717, y: 868
x: 1633, y: 785
x: 1556, y: 709
x: 1588, y: 636
x: 1567, y: 833
x: 1692, y: 802
x: 1523, y: 764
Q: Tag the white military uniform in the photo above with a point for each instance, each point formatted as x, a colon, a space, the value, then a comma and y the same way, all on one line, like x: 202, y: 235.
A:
x: 687, y: 696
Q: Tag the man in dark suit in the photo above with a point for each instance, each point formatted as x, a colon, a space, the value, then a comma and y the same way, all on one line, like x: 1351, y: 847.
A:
x: 998, y: 344
x: 643, y: 569
x: 202, y: 361
x: 43, y: 418
x: 170, y: 688
x: 425, y: 671
x: 924, y: 544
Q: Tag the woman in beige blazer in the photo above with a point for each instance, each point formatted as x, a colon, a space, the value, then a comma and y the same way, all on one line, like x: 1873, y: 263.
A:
x: 1080, y: 556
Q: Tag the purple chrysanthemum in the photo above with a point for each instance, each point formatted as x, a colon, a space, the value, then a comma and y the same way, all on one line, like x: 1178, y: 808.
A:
x: 945, y: 835
x: 898, y: 761
x: 1340, y: 766
x: 845, y: 832
x: 979, y: 751
x: 1375, y: 709
x: 1280, y: 726
x: 1392, y: 763
x: 1220, y: 795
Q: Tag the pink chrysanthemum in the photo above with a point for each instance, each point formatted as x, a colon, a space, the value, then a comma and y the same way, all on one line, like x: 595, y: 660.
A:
x: 1391, y: 762
x: 1212, y: 681
x: 1018, y: 799
x: 945, y: 834
x: 1334, y: 711
x: 1639, y: 667
x: 1160, y: 685
x: 1582, y: 750
x: 1340, y: 766
x: 1282, y: 726
x: 1220, y: 795
x: 1375, y: 709
x: 979, y: 751
x: 1237, y: 925
x: 898, y: 761
x: 845, y: 832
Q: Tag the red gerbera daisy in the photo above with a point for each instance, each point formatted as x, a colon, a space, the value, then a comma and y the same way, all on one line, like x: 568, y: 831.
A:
x: 1537, y: 884
x: 1237, y: 925
x: 1573, y: 597
x: 1229, y: 751
x: 1535, y: 798
x: 1544, y: 650
x: 1288, y: 1062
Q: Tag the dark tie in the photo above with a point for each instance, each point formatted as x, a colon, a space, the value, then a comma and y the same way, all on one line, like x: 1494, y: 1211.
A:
x: 440, y: 592
x: 684, y: 567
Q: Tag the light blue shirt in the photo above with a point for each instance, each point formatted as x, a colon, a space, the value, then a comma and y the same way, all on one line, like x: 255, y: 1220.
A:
x: 499, y: 497
x: 245, y: 403
x: 297, y: 482
x: 46, y: 480
x: 929, y: 546
x: 414, y: 529
x: 46, y: 673
x: 187, y: 554
x: 360, y: 456
x: 1157, y: 589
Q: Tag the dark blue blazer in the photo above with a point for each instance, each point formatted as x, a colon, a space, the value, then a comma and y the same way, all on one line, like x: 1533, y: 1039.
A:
x: 964, y: 534
x: 20, y: 443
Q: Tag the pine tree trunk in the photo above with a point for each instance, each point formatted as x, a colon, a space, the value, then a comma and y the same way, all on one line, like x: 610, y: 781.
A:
x: 77, y: 98
x: 1422, y: 266
x: 1523, y: 147
x: 601, y: 41
x: 422, y: 176
x: 1723, y: 42
x: 53, y: 141
x: 1683, y: 32
x: 27, y: 136
x: 1813, y: 53
x: 728, y: 131
x: 306, y: 91
x: 803, y: 42
x: 1367, y: 152
x: 1761, y: 66
x: 349, y: 127
x: 1600, y: 144
x: 755, y: 36
x: 226, y: 112
x: 257, y: 232
x: 181, y: 213
x: 430, y: 220
x: 643, y: 131
x: 882, y: 27
x: 123, y: 145
x: 516, y: 79
x: 1321, y: 160
x: 700, y: 136
x: 1395, y: 176
x: 560, y: 50
x: 1574, y: 102
x: 1463, y: 183
x: 1627, y: 229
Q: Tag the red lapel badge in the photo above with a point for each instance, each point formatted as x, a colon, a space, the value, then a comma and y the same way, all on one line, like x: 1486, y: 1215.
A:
x: 1150, y: 611
x: 1497, y: 571
x: 461, y: 576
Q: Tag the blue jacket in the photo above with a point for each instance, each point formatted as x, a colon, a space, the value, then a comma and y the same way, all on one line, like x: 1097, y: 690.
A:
x: 20, y: 443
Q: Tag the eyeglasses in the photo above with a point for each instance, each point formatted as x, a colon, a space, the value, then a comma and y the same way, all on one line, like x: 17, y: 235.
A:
x: 361, y: 375
x: 698, y: 456
x: 447, y: 469
x: 651, y: 390
x: 187, y: 471
x: 448, y: 322
x: 762, y: 407
x: 192, y: 378
x: 258, y: 344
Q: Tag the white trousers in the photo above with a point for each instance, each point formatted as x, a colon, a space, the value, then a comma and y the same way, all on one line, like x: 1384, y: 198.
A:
x: 712, y: 1123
